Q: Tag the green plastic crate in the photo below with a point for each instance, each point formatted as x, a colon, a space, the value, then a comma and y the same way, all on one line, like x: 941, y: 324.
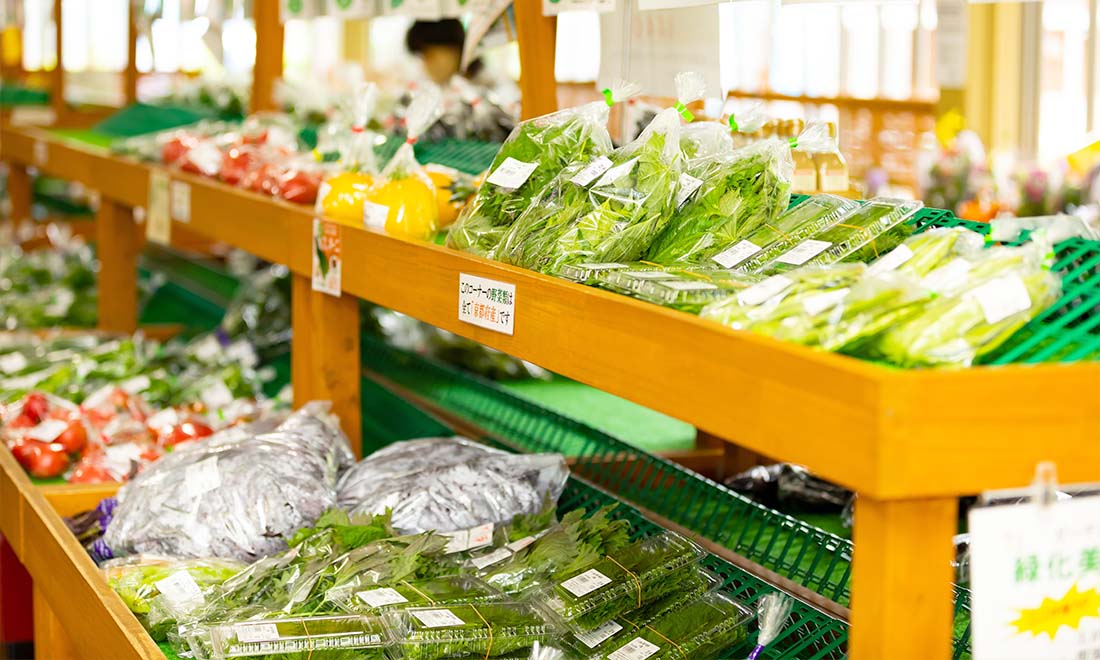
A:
x: 469, y: 156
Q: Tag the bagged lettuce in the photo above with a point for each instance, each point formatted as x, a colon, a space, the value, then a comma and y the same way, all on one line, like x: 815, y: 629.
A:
x: 632, y: 202
x: 534, y: 153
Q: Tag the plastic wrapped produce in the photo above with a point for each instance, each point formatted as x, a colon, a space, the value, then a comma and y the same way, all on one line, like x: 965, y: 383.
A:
x: 281, y: 481
x: 921, y: 254
x: 620, y: 582
x: 161, y: 591
x: 863, y: 235
x: 484, y: 630
x: 451, y: 484
x: 690, y: 292
x: 289, y: 638
x: 799, y: 222
x: 877, y: 303
x: 531, y: 157
x: 417, y: 593
x: 342, y: 195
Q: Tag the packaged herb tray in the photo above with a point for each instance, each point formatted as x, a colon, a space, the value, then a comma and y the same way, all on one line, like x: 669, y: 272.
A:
x: 291, y: 638
x: 418, y: 593
x: 689, y: 292
x: 700, y: 630
x: 631, y: 279
x: 588, y: 273
x: 799, y: 222
x: 864, y: 235
x: 482, y: 630
x: 623, y: 581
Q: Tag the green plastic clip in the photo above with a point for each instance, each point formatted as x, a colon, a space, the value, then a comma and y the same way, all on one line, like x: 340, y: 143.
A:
x: 733, y: 124
x: 607, y: 96
x: 684, y: 112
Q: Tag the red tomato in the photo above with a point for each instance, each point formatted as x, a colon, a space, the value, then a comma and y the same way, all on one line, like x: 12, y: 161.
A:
x: 174, y: 149
x: 45, y: 461
x: 236, y: 164
x: 73, y: 438
x: 149, y: 455
x: 90, y: 474
x: 184, y: 432
x: 298, y: 186
x: 21, y: 449
x: 36, y: 406
x: 256, y: 138
x: 21, y: 422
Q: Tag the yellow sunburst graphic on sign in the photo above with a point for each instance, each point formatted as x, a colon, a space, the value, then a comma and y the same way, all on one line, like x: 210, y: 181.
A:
x: 1053, y: 614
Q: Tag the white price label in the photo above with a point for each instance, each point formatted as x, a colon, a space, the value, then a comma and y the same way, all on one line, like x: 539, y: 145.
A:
x: 181, y: 590
x: 764, y: 291
x: 586, y: 582
x: 375, y: 215
x: 41, y: 153
x: 480, y: 536
x: 381, y: 597
x: 512, y: 173
x: 948, y: 277
x: 635, y: 649
x: 202, y: 477
x: 181, y: 201
x: 591, y: 171
x: 689, y: 286
x: 437, y: 618
x: 217, y: 396
x: 158, y: 218
x: 456, y: 541
x: 1002, y: 297
x: 615, y: 173
x: 688, y: 185
x: 136, y: 385
x: 821, y: 302
x: 491, y: 559
x: 256, y: 632
x: 892, y: 260
x: 594, y: 638
x: 803, y: 252
x: 516, y: 546
x: 487, y: 303
x: 555, y: 7
x: 47, y: 430
x: 649, y: 274
x: 12, y: 363
x: 733, y: 256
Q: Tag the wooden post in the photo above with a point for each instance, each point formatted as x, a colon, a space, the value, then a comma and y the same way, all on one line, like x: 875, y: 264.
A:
x: 117, y: 245
x: 269, y: 54
x: 50, y: 639
x: 902, y: 604
x: 537, y: 37
x: 57, y: 80
x: 325, y: 354
x: 130, y: 77
x: 19, y: 191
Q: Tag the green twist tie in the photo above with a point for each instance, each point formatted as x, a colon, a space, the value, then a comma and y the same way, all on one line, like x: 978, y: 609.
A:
x: 793, y: 142
x: 733, y: 124
x: 684, y: 112
x: 607, y: 97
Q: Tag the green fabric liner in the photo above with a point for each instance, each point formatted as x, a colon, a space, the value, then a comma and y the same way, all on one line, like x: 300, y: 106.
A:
x: 84, y: 136
x: 12, y: 94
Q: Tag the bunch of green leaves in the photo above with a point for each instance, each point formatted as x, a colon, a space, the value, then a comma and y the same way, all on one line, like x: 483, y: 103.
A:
x: 552, y: 141
x: 47, y: 288
x: 797, y: 223
x: 703, y: 628
x: 577, y: 541
x: 640, y: 574
x: 741, y: 191
x: 742, y: 311
x: 487, y: 630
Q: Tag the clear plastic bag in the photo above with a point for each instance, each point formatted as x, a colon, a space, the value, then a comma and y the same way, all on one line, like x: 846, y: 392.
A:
x: 484, y: 630
x: 235, y: 495
x: 789, y: 488
x: 529, y: 160
x: 690, y: 292
x: 449, y: 485
x: 623, y: 581
x: 402, y: 202
x: 875, y: 304
x: 767, y: 242
x: 919, y: 255
x: 863, y: 235
x: 342, y: 195
x: 417, y: 593
x: 289, y: 638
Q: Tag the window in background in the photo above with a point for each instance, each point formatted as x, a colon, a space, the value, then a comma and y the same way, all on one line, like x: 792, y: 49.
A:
x: 899, y: 26
x: 577, y: 56
x: 39, y: 36
x: 745, y: 45
x: 861, y: 24
x: 312, y: 49
x: 1062, y: 80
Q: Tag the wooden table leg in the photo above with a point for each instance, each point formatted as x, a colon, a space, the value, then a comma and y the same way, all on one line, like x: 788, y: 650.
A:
x: 50, y: 639
x: 117, y: 245
x: 326, y: 328
x: 902, y: 606
x: 19, y: 191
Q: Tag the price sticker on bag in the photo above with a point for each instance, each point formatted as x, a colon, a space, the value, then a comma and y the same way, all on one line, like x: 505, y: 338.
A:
x: 594, y: 638
x: 438, y: 618
x: 689, y: 286
x: 512, y: 173
x: 586, y: 582
x: 803, y: 252
x: 375, y: 215
x: 891, y: 261
x: 181, y: 201
x: 733, y: 256
x: 158, y: 218
x: 248, y: 633
x: 328, y: 259
x: 1002, y: 297
x: 487, y: 303
x: 491, y: 559
x: 635, y: 649
x: 381, y: 597
x: 688, y: 186
x: 181, y: 590
x: 591, y: 171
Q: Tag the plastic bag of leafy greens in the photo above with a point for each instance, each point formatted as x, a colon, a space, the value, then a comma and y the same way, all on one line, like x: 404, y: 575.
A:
x: 921, y: 254
x: 703, y: 628
x: 483, y: 630
x: 417, y: 593
x: 702, y: 141
x: 632, y: 201
x: 877, y: 303
x: 623, y: 581
x: 957, y: 329
x: 531, y: 157
x: 160, y: 590
x: 289, y: 638
x: 762, y: 300
x: 234, y: 495
x: 403, y: 202
x: 864, y: 235
x: 797, y: 223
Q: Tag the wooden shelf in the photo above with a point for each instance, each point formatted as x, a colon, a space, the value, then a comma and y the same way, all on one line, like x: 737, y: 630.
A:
x: 909, y: 442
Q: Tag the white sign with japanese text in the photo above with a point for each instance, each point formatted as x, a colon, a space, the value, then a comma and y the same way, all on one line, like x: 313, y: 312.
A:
x: 487, y: 303
x: 1035, y: 576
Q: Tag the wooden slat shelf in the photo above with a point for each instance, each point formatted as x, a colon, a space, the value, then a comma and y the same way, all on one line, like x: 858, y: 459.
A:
x: 909, y: 442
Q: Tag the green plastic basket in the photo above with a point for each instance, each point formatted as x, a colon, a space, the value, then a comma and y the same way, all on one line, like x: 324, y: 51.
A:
x: 469, y: 156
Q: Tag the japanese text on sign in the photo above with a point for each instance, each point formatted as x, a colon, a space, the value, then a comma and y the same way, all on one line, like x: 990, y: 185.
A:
x: 487, y: 303
x: 327, y: 257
